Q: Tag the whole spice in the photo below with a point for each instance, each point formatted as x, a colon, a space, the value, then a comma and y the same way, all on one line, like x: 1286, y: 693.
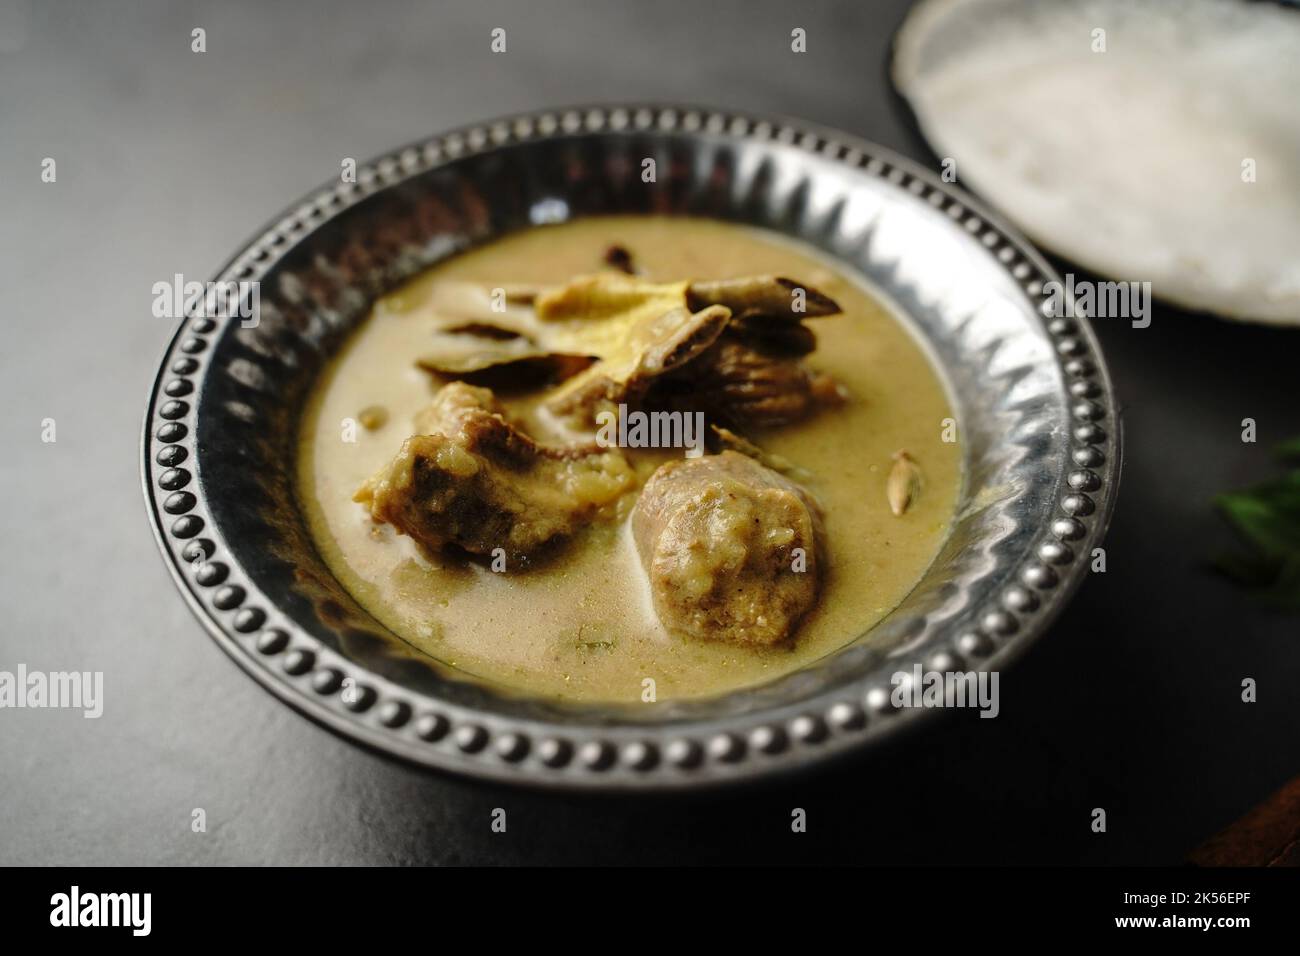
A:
x: 904, y: 482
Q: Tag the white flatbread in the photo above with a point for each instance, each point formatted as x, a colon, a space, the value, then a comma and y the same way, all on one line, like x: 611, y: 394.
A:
x: 1172, y: 157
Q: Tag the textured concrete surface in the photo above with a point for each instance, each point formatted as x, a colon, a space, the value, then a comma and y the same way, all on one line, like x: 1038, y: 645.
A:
x: 167, y: 160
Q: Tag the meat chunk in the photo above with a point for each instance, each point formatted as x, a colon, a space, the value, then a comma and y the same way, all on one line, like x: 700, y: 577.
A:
x: 741, y: 385
x: 730, y: 349
x: 733, y: 352
x: 654, y: 347
x: 774, y: 298
x: 475, y: 481
x: 721, y: 539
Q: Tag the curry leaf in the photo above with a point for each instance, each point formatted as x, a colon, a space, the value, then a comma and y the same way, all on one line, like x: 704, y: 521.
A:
x: 1267, y: 517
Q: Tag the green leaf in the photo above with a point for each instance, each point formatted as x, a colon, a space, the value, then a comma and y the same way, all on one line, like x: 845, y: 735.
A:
x: 1267, y: 517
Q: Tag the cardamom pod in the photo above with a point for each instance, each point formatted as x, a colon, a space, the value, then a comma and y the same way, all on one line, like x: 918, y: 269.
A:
x: 904, y: 483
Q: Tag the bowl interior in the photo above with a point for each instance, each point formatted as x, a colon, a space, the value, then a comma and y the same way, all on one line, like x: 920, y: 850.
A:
x: 956, y: 280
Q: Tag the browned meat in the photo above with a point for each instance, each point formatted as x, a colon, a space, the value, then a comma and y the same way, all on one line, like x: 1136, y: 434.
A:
x: 778, y: 338
x: 718, y: 538
x: 774, y: 297
x: 736, y: 357
x: 740, y: 385
x: 475, y: 481
x: 655, y: 346
x: 730, y: 349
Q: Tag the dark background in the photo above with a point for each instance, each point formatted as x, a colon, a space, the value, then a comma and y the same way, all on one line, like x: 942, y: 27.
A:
x: 168, y: 160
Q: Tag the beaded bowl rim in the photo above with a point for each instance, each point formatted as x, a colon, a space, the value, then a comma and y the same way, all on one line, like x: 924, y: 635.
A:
x: 385, y: 717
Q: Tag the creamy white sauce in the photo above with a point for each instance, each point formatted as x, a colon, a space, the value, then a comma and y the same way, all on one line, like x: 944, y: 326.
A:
x: 583, y: 627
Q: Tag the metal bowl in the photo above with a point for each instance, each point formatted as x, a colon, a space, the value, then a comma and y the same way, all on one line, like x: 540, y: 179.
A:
x: 1034, y: 404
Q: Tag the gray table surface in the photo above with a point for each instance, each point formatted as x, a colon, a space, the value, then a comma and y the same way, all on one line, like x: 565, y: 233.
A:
x: 168, y: 159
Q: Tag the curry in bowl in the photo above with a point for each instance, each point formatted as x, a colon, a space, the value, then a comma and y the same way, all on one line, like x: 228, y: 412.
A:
x: 630, y: 458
